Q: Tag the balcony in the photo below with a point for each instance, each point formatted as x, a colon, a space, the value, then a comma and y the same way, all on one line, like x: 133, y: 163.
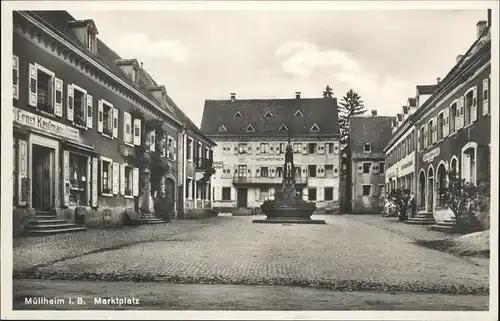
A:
x: 300, y: 180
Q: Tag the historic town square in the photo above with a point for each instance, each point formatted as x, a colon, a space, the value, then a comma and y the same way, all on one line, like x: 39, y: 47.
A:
x: 246, y: 160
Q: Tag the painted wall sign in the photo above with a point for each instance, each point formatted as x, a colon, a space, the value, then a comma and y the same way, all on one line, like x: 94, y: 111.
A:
x: 45, y: 124
x: 267, y: 159
x: 428, y: 157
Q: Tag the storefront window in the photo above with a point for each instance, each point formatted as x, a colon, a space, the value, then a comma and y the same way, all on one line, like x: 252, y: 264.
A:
x: 78, y: 180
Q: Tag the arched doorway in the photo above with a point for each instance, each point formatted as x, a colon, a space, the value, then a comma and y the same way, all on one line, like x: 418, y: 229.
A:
x: 170, y: 194
x: 421, y: 189
x: 430, y: 189
x: 441, y: 176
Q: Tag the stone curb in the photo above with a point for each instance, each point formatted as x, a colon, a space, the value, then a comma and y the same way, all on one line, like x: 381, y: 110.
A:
x: 333, y: 284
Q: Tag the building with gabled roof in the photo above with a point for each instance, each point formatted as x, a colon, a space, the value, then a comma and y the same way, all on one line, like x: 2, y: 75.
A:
x: 251, y: 136
x: 367, y: 137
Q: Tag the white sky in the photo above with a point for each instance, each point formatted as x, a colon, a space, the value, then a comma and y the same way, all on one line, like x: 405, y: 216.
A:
x: 382, y: 55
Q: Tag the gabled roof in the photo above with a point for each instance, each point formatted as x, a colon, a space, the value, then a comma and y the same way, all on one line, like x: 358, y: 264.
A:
x: 426, y: 89
x: 319, y: 111
x: 375, y: 130
x: 57, y: 21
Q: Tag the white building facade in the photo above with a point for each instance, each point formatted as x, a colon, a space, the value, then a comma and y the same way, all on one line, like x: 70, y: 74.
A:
x: 251, y: 137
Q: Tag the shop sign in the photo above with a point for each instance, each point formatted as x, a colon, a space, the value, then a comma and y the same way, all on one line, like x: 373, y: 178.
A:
x: 428, y: 157
x: 406, y: 165
x: 45, y: 124
x: 258, y: 159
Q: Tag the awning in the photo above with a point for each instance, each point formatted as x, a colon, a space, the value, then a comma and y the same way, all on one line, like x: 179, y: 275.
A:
x: 80, y: 147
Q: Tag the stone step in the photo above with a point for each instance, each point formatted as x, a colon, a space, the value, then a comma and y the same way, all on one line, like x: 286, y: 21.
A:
x: 413, y: 221
x: 45, y: 217
x: 451, y: 221
x: 57, y: 231
x: 441, y: 228
x: 421, y: 219
x: 38, y: 221
x: 445, y: 223
x: 56, y: 226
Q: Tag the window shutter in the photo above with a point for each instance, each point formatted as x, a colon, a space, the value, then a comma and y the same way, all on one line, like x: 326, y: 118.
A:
x: 249, y: 148
x: 473, y: 109
x: 335, y: 171
x: 236, y: 151
x: 15, y: 81
x: 419, y: 145
x: 33, y: 86
x: 94, y: 182
x: 446, y: 122
x: 137, y: 132
x: 100, y: 115
x: 375, y: 168
x: 71, y: 102
x: 272, y: 171
x: 485, y: 101
x: 101, y: 176
x: 135, y: 181
x: 115, y: 123
x: 90, y: 110
x: 22, y: 170
x: 321, y: 148
x: 359, y: 190
x: 58, y: 94
x: 152, y: 140
x: 116, y: 177
x: 257, y: 149
x: 460, y: 120
x: 434, y: 133
x: 66, y: 183
x: 360, y: 169
x: 304, y: 149
x: 122, y: 179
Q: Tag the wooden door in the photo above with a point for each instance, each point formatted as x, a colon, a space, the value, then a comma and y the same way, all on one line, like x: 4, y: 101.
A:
x: 242, y: 197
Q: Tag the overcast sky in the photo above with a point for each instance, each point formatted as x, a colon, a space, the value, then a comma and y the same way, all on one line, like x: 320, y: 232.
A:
x: 202, y: 55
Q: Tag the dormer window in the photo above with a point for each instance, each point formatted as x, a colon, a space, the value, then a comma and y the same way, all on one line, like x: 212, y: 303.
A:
x: 90, y: 40
x: 268, y: 115
x: 283, y: 128
x: 314, y: 128
x: 250, y: 129
x: 237, y: 115
x: 298, y: 113
x: 367, y: 148
x: 222, y: 128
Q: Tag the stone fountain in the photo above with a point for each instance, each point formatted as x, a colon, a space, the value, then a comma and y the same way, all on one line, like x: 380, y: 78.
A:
x: 288, y: 206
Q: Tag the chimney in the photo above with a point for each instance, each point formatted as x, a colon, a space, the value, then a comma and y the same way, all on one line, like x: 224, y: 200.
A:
x: 374, y: 112
x: 297, y: 94
x: 481, y: 26
x: 142, y: 65
x: 459, y: 57
x: 438, y: 80
x: 233, y: 97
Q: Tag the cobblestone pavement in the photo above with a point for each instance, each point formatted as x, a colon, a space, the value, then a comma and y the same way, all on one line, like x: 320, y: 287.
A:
x: 344, y: 249
x: 40, y: 250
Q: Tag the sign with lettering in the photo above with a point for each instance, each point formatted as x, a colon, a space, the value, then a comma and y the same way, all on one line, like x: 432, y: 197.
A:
x: 267, y: 159
x: 45, y: 124
x: 428, y: 157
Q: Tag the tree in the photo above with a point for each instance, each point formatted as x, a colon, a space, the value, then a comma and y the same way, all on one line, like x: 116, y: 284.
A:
x: 400, y: 198
x: 328, y: 92
x: 465, y: 200
x: 350, y: 105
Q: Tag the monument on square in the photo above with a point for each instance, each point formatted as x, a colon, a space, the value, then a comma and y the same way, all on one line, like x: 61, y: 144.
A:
x: 287, y: 206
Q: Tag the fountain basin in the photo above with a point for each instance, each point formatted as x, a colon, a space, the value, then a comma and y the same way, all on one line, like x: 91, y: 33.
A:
x: 296, y: 213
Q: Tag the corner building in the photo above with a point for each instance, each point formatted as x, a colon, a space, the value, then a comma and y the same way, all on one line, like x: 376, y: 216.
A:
x: 251, y: 136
